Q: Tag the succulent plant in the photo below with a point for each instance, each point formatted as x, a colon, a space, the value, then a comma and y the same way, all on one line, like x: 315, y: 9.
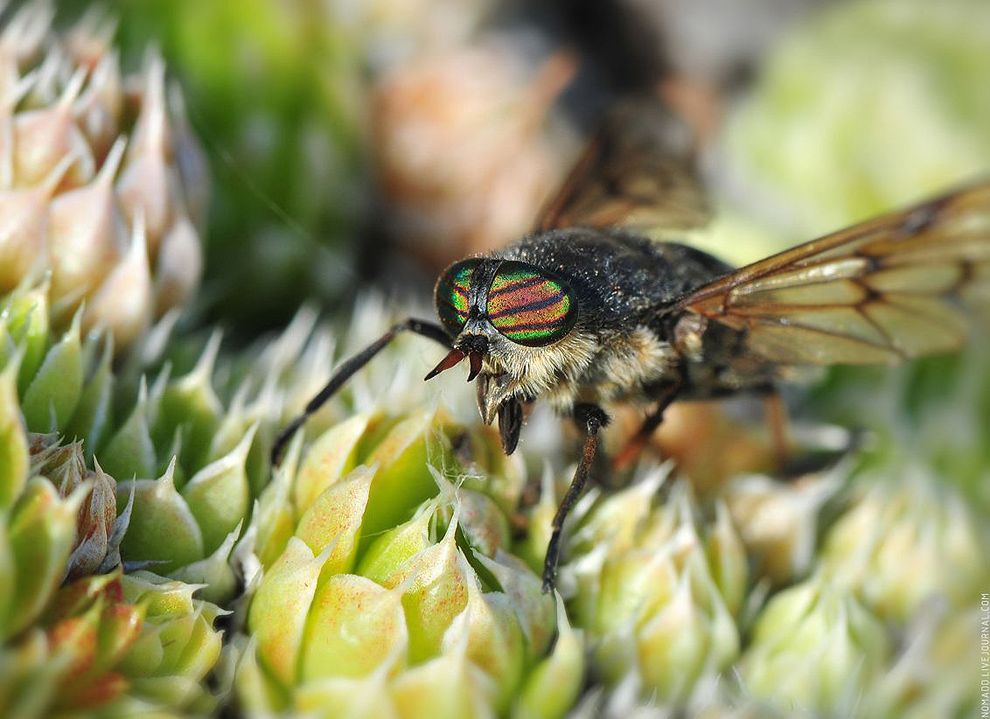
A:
x: 102, y: 186
x: 75, y: 633
x: 388, y: 587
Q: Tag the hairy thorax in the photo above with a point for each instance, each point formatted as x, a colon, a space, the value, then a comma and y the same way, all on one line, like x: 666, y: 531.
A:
x: 615, y: 367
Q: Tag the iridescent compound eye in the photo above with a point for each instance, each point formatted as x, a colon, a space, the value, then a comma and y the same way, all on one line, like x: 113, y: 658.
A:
x: 451, y: 295
x: 529, y: 307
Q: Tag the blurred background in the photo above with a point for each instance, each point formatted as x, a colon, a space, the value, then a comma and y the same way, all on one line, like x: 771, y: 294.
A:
x: 357, y: 144
x: 324, y: 152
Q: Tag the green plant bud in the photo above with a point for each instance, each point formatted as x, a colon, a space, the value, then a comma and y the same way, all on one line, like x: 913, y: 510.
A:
x: 404, y: 480
x: 447, y: 686
x: 688, y: 636
x: 163, y: 527
x: 234, y: 423
x: 482, y: 521
x: 279, y: 608
x: 354, y: 626
x: 213, y: 573
x: 42, y: 532
x: 24, y: 319
x: 190, y: 405
x: 359, y: 698
x: 657, y: 589
x: 8, y: 577
x: 434, y: 592
x: 130, y: 452
x: 620, y: 589
x: 161, y: 596
x: 13, y: 441
x: 330, y: 457
x: 778, y: 521
x: 52, y: 395
x: 391, y: 550
x: 218, y: 495
x: 256, y: 693
x: 494, y: 639
x: 618, y: 519
x: 534, y: 609
x: 273, y: 517
x: 727, y: 559
x: 814, y: 648
x: 178, y: 644
x: 93, y: 417
x: 920, y: 518
x: 553, y: 686
x: 334, y: 520
x: 28, y: 680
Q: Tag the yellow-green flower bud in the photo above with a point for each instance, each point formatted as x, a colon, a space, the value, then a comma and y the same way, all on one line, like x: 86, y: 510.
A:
x: 815, y: 648
x: 354, y: 626
x: 190, y: 406
x: 448, y: 686
x: 657, y: 589
x: 778, y: 521
x: 162, y: 528
x: 482, y: 521
x: 24, y: 319
x: 130, y: 452
x: 328, y: 458
x: 554, y: 684
x: 42, y: 532
x: 55, y: 389
x: 494, y: 638
x: 404, y: 480
x: 534, y: 609
x: 334, y: 520
x: 93, y: 416
x: 213, y: 573
x: 13, y: 440
x: 434, y: 593
x: 218, y: 495
x: 391, y: 550
x: 178, y: 645
x: 280, y: 607
x: 918, y: 518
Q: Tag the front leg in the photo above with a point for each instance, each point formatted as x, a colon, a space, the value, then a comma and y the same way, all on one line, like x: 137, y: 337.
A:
x: 590, y: 418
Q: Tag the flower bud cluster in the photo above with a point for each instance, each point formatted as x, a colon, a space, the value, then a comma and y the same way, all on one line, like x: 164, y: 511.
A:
x: 102, y: 185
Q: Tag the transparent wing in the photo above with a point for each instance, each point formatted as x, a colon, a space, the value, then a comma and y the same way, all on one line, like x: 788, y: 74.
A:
x: 901, y: 285
x: 637, y: 171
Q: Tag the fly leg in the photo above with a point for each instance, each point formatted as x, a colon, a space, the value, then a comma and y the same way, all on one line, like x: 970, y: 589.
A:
x: 347, y: 368
x: 636, y: 443
x: 590, y: 418
x: 776, y: 415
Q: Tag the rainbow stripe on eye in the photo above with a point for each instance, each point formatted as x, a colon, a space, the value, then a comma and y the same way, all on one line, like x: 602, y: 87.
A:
x: 451, y: 295
x: 528, y: 307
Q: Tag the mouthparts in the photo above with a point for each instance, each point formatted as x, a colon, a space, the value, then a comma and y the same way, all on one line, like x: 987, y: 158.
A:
x: 454, y: 358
